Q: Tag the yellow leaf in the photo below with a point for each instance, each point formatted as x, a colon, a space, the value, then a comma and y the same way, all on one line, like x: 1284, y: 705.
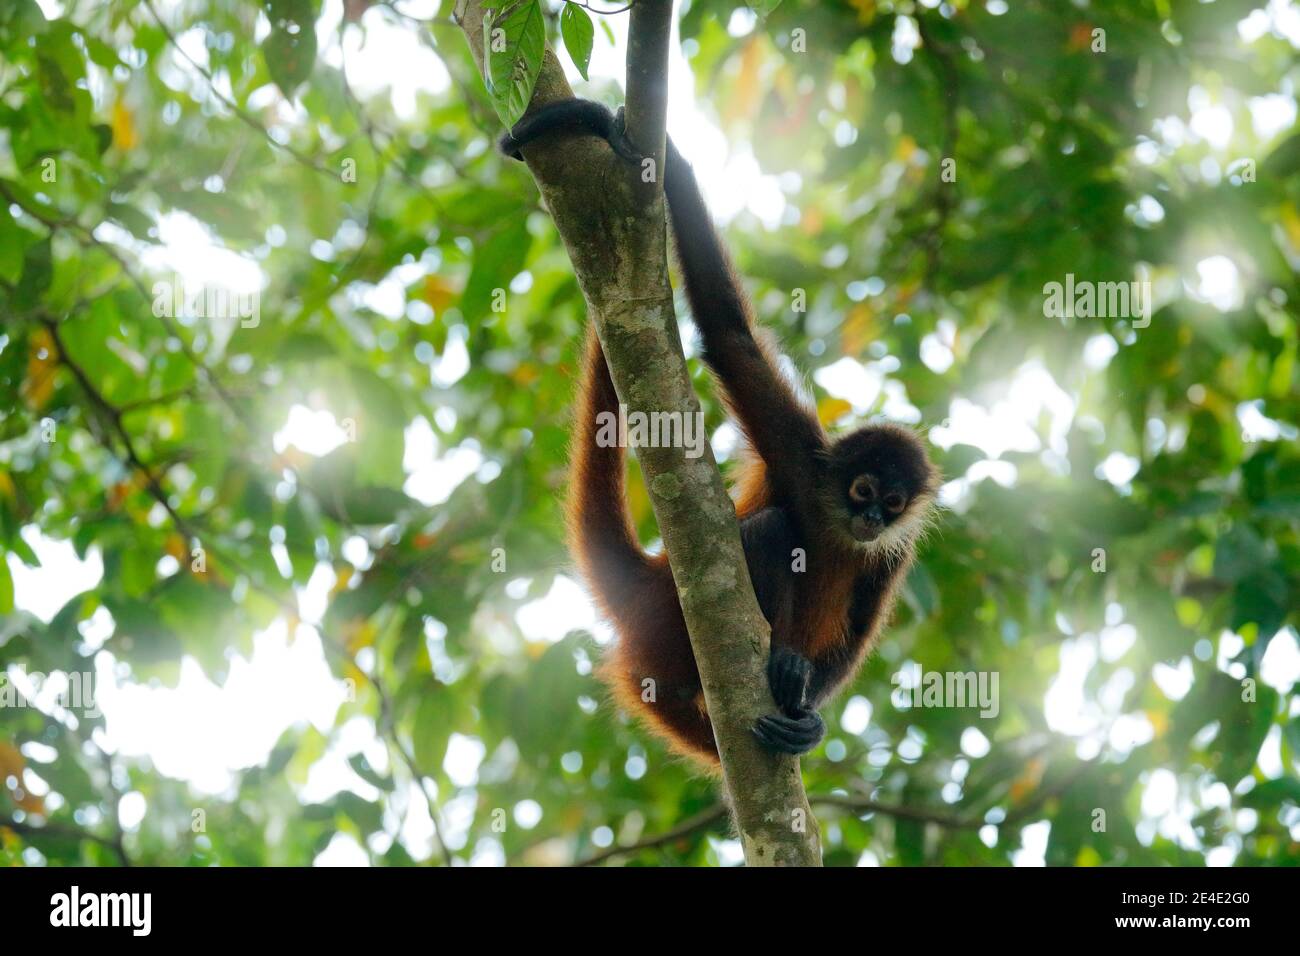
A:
x: 858, y: 329
x: 7, y: 486
x: 125, y: 136
x: 1027, y: 782
x: 1080, y: 36
x: 356, y: 675
x: 11, y: 767
x: 357, y: 633
x: 1087, y: 857
x: 1291, y: 223
x: 175, y: 546
x: 831, y: 410
x: 1188, y: 611
x: 438, y: 293
x: 28, y: 801
x: 811, y: 221
x: 11, y: 761
x: 117, y: 494
x: 744, y: 98
x: 866, y: 9
x: 344, y: 576
x: 525, y: 374
x: 39, y: 384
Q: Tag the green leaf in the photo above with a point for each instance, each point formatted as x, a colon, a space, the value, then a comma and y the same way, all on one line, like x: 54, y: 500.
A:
x: 138, y: 571
x: 1292, y: 733
x: 24, y: 551
x: 1272, y: 793
x: 38, y: 272
x: 368, y: 817
x: 579, y: 34
x: 432, y: 731
x: 13, y: 240
x: 133, y: 220
x: 361, y: 766
x: 513, y: 45
x: 496, y: 262
x: 1238, y: 553
x: 290, y: 48
x: 6, y: 587
x: 371, y: 506
x: 1285, y: 160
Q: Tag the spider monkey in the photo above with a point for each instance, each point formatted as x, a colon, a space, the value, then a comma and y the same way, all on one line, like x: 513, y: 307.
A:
x: 829, y: 526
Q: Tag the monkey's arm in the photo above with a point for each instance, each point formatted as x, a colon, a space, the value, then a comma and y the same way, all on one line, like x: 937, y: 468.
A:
x: 784, y: 432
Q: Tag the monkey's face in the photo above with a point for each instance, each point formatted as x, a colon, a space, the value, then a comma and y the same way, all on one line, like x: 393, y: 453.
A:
x: 883, y: 487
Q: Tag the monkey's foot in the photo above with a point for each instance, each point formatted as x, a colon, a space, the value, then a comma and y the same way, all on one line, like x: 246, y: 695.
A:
x: 788, y: 674
x: 790, y: 735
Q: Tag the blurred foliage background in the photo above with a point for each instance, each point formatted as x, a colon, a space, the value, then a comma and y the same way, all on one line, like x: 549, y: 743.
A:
x: 311, y: 563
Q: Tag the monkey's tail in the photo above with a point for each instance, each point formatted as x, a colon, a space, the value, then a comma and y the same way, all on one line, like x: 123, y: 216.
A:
x: 601, y: 535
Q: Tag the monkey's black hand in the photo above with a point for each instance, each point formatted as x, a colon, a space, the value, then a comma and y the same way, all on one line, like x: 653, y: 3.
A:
x: 789, y: 675
x: 570, y: 116
x: 790, y: 734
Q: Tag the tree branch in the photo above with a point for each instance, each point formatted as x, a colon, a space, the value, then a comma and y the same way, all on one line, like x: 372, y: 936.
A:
x: 705, y: 818
x: 62, y: 831
x: 618, y: 247
x: 856, y: 804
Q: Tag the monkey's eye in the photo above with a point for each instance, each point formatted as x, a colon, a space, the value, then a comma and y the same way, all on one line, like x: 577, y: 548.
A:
x: 861, y: 490
x: 894, y: 502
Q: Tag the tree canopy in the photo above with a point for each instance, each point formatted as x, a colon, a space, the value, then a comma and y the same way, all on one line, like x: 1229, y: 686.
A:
x: 286, y: 369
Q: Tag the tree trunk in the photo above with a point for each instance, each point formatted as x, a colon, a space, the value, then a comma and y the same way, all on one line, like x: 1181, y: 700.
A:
x: 614, y: 228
